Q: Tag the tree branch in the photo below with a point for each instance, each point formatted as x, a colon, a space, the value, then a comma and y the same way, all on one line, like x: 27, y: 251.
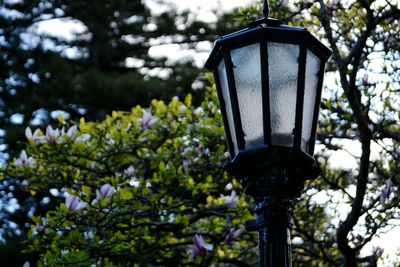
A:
x: 356, y: 208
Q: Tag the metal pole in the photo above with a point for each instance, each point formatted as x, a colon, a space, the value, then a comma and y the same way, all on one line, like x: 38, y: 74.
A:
x: 274, y: 243
x: 273, y: 206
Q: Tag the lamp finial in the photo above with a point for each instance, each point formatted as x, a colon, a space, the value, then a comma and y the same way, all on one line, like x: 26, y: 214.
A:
x: 265, y: 9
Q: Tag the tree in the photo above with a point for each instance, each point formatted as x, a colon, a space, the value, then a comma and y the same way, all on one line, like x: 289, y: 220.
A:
x: 361, y: 109
x: 366, y: 98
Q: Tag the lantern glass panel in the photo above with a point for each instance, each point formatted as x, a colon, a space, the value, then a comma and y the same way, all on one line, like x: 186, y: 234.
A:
x: 247, y: 72
x: 228, y: 106
x: 310, y: 93
x: 283, y: 70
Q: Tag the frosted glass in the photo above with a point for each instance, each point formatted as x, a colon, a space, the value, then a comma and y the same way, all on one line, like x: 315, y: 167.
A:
x: 310, y: 92
x: 228, y: 107
x: 283, y: 70
x: 247, y: 72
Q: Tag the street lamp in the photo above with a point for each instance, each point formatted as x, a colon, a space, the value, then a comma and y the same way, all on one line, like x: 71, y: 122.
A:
x: 269, y: 80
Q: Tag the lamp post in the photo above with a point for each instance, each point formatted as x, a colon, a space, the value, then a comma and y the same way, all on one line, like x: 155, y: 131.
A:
x: 269, y: 80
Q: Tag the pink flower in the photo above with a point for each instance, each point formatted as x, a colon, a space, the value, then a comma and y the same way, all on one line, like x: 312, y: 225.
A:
x: 106, y: 190
x: 28, y: 134
x: 39, y: 228
x: 333, y: 4
x: 386, y: 191
x: 147, y: 120
x: 39, y: 137
x: 199, y: 247
x: 36, y: 137
x: 24, y: 160
x: 377, y: 251
x: 232, y: 235
x: 365, y: 80
x: 72, y: 131
x: 83, y: 138
x: 230, y: 200
x: 52, y: 135
x: 73, y: 203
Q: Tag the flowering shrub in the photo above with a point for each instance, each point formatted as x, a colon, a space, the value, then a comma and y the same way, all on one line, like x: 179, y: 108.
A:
x: 143, y: 187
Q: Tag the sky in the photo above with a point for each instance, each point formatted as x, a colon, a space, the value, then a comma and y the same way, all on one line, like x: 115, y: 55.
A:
x: 205, y: 11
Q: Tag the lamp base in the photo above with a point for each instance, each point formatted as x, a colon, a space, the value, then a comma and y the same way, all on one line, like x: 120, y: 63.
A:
x: 254, y: 163
x: 273, y: 186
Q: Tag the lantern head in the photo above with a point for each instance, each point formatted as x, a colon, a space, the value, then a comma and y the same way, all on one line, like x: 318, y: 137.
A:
x: 269, y: 80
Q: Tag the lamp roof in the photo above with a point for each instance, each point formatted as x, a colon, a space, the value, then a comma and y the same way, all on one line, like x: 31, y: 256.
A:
x: 266, y: 30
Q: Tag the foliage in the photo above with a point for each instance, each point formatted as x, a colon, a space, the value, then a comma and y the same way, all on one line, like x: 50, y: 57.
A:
x: 139, y: 186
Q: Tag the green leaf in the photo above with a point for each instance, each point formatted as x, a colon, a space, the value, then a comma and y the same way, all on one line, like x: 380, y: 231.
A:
x: 86, y: 190
x: 188, y: 100
x: 125, y: 194
x: 60, y: 118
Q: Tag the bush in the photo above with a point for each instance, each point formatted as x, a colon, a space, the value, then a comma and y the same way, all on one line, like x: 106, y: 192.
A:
x: 143, y: 188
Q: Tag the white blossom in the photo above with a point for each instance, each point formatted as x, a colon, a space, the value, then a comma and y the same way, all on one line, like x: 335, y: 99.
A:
x: 110, y: 140
x: 88, y: 235
x: 198, y: 111
x: 130, y: 171
x: 134, y: 182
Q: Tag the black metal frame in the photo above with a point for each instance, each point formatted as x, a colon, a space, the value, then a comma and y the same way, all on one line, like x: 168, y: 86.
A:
x: 265, y: 91
x: 301, y: 78
x: 316, y: 107
x: 234, y: 101
x: 223, y: 111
